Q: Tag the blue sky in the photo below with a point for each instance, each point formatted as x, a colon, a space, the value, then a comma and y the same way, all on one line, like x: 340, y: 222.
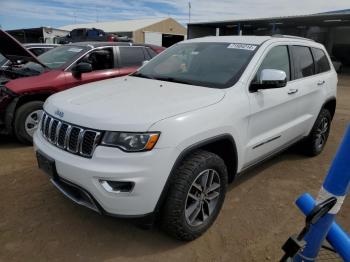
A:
x: 55, y: 13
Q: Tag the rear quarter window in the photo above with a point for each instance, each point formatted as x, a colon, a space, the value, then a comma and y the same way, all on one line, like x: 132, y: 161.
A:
x: 131, y: 56
x: 321, y: 61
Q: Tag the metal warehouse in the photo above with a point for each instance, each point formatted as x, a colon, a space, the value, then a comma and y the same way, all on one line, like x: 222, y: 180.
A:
x: 160, y: 31
x: 331, y: 29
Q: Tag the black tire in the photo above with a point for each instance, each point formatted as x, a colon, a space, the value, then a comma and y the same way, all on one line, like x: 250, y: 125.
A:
x: 173, y: 218
x: 20, y: 117
x: 311, y: 146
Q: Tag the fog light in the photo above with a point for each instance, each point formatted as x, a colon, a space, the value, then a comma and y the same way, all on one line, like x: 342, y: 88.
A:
x: 117, y: 186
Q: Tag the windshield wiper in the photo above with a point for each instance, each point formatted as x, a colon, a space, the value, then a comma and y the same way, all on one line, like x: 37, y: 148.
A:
x: 172, y: 79
x: 138, y: 74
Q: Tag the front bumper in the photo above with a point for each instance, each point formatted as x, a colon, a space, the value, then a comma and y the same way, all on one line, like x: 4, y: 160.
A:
x: 147, y: 170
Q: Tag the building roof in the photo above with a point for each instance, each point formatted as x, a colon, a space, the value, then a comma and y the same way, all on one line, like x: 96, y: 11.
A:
x: 340, y: 17
x: 117, y: 26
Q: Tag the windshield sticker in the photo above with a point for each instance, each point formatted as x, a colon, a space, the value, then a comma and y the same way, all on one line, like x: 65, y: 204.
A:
x: 242, y: 46
x: 75, y: 50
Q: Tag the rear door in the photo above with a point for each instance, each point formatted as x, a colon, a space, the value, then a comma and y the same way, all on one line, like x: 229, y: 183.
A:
x: 311, y: 74
x: 130, y: 58
x: 104, y: 66
x: 273, y: 114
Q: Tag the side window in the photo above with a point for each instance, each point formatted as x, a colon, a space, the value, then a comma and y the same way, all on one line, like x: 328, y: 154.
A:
x: 151, y: 52
x: 100, y: 59
x: 303, y: 61
x: 277, y: 58
x: 321, y: 61
x: 38, y: 51
x: 92, y: 33
x: 131, y: 56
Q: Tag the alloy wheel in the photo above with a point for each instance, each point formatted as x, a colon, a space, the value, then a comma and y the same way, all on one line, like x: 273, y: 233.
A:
x: 203, y: 197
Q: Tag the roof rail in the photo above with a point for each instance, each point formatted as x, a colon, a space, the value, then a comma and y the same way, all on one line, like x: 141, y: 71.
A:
x: 292, y: 36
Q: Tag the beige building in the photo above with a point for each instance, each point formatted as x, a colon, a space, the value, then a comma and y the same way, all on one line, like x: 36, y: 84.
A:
x: 159, y: 31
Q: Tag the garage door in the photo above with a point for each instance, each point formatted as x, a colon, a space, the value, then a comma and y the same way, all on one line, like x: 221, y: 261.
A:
x: 153, y: 38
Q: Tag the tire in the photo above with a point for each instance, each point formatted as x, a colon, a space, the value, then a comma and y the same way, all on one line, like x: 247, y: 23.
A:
x: 24, y: 113
x: 194, y: 168
x: 312, y: 145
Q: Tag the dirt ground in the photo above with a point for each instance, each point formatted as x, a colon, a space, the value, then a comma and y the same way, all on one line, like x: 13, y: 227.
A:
x: 38, y: 224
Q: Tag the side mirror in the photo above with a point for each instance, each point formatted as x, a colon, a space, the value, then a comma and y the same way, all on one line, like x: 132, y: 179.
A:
x: 270, y: 78
x: 81, y: 68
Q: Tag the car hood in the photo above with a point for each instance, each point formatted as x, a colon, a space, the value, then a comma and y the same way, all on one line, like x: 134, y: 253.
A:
x: 128, y: 103
x: 14, y: 51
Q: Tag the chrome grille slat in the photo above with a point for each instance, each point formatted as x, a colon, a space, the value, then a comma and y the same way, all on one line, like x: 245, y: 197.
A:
x: 74, y: 139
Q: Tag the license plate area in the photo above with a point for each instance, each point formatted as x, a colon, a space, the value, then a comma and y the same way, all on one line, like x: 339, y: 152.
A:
x: 47, y: 164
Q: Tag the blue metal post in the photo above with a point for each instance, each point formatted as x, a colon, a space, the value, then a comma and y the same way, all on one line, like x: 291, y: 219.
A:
x: 337, y: 185
x: 337, y: 237
x: 239, y: 29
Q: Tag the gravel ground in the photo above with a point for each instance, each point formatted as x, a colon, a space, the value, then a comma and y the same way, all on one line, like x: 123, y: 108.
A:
x: 38, y: 224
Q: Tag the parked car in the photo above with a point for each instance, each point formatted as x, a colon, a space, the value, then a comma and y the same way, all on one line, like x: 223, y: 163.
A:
x: 167, y: 139
x: 24, y: 89
x: 338, y: 66
x: 90, y: 34
x: 36, y: 49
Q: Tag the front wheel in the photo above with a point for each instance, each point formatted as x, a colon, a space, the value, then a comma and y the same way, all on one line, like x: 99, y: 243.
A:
x: 316, y: 141
x: 196, y: 195
x: 27, y: 120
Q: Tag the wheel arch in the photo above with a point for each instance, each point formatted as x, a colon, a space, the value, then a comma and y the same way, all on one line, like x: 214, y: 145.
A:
x: 330, y: 105
x: 222, y: 145
x: 19, y: 101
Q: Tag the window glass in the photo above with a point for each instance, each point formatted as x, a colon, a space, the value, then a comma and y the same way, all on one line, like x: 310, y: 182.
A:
x: 277, y: 58
x: 131, y: 56
x: 92, y: 33
x: 100, y: 59
x: 303, y: 61
x: 38, y: 51
x: 57, y: 57
x: 216, y: 65
x: 321, y: 60
x: 151, y: 52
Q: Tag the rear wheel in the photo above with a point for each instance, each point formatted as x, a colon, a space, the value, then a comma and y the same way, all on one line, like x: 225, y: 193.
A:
x: 316, y: 141
x: 27, y: 120
x: 196, y: 195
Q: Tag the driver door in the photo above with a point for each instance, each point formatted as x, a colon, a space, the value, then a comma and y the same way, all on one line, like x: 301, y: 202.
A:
x: 273, y: 112
x: 103, y: 65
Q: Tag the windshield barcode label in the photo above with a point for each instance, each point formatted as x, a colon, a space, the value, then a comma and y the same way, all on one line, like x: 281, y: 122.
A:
x: 243, y: 46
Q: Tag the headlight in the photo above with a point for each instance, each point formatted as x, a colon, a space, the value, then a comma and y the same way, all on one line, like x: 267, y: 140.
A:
x: 131, y: 142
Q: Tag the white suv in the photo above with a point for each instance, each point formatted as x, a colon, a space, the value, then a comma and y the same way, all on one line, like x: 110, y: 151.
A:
x: 167, y: 139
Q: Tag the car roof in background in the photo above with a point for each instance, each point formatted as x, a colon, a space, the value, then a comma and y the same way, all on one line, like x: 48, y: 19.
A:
x: 40, y: 45
x: 102, y: 44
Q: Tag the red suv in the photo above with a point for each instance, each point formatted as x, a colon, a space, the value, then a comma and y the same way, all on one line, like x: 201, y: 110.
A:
x: 24, y: 88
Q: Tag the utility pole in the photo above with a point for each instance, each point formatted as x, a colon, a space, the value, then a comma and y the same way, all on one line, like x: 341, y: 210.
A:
x: 189, y: 11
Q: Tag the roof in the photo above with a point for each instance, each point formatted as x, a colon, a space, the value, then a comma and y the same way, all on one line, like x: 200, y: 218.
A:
x: 249, y: 39
x: 117, y: 26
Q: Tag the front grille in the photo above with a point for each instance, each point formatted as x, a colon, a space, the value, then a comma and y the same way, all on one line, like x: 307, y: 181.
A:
x: 71, y: 138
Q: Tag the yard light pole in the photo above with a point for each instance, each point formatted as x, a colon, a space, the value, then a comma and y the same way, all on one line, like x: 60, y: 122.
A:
x: 336, y: 184
x: 189, y: 11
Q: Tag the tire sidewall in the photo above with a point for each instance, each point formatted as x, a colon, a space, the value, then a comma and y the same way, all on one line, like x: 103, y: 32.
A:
x: 324, y: 114
x: 215, y: 163
x: 21, y: 115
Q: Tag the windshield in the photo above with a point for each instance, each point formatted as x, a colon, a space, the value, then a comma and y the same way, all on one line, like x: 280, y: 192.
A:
x: 56, y: 57
x: 217, y: 65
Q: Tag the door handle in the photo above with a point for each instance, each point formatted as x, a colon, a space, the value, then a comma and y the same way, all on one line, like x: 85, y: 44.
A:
x: 319, y: 83
x: 292, y: 91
